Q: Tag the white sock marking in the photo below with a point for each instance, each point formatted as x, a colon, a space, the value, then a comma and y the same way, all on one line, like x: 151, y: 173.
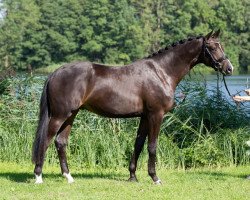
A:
x: 68, y: 177
x: 39, y: 179
x: 158, y: 182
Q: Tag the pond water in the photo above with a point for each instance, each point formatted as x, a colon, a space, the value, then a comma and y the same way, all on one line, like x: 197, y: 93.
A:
x: 235, y: 83
x: 236, y: 86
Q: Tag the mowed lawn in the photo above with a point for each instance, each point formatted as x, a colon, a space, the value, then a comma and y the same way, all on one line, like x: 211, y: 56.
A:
x: 17, y: 182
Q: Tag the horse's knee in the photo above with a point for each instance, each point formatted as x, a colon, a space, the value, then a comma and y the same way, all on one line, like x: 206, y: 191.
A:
x: 151, y: 172
x: 132, y: 167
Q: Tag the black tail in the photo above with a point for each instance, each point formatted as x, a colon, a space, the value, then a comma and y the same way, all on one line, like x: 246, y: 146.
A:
x: 42, y: 129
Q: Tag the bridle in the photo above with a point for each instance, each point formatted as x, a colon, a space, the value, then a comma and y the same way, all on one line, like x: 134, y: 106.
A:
x: 216, y: 64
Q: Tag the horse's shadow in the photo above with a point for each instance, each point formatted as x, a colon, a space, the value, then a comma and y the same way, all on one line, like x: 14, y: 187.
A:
x: 23, y: 177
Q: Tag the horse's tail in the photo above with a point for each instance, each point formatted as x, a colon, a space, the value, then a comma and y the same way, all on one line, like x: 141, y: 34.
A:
x: 42, y: 129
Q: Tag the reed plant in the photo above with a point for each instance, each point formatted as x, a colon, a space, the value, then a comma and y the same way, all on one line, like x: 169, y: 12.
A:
x: 201, y: 131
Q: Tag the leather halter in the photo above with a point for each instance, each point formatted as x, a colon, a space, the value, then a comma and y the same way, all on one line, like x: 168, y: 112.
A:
x: 216, y: 64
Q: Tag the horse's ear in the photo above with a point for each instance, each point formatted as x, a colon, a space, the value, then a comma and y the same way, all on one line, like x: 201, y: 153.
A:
x: 216, y: 34
x: 208, y: 35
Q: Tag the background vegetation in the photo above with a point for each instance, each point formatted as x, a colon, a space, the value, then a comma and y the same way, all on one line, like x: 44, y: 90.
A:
x: 209, y: 131
x: 37, y: 33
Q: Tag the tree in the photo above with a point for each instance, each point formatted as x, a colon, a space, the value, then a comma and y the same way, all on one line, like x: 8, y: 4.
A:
x: 20, y: 16
x: 111, y: 32
x: 61, y: 25
x: 40, y: 32
x: 232, y: 13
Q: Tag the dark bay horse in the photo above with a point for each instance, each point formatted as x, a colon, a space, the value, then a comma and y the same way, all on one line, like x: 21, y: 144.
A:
x: 142, y: 89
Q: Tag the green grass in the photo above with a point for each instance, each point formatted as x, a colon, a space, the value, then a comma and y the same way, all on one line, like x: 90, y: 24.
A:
x: 221, y: 183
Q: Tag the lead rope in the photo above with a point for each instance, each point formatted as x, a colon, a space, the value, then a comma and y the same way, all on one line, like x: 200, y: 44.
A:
x: 237, y: 103
x: 226, y: 86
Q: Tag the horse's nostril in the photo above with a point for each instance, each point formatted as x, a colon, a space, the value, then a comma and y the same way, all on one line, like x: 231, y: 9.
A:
x: 229, y: 70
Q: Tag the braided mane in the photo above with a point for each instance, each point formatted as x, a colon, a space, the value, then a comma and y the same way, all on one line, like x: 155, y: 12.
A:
x: 183, y: 41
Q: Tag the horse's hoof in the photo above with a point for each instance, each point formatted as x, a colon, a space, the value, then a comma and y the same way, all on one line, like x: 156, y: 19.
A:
x: 38, y: 182
x: 68, y: 177
x: 158, y: 182
x: 39, y: 179
x: 132, y: 179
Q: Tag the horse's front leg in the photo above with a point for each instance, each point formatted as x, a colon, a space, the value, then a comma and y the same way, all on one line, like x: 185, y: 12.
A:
x: 139, y: 143
x: 155, y: 120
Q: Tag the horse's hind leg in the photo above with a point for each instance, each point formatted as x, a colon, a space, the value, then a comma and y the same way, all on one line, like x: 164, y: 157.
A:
x: 61, y: 142
x: 53, y: 128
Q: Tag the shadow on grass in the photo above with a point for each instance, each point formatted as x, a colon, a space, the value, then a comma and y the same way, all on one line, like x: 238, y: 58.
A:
x: 26, y: 177
x: 218, y: 175
x: 22, y: 177
x: 16, y: 177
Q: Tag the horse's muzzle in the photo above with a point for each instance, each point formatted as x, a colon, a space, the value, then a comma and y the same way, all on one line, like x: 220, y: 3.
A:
x: 227, y: 68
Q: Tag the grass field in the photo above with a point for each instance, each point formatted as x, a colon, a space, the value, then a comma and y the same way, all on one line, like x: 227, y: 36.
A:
x: 226, y: 183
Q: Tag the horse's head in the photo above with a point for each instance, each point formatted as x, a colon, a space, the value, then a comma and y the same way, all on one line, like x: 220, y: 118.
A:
x: 214, y: 55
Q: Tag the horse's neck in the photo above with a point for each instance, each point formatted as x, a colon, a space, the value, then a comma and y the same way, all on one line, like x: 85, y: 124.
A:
x: 177, y: 62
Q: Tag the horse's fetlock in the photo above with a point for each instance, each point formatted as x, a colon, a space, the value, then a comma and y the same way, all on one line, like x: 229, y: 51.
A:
x: 38, y: 169
x: 151, y: 173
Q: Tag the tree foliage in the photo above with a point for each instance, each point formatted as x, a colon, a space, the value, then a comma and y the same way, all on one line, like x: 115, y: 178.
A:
x: 38, y: 33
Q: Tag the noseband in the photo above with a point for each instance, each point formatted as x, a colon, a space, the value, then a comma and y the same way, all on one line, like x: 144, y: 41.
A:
x: 216, y: 64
